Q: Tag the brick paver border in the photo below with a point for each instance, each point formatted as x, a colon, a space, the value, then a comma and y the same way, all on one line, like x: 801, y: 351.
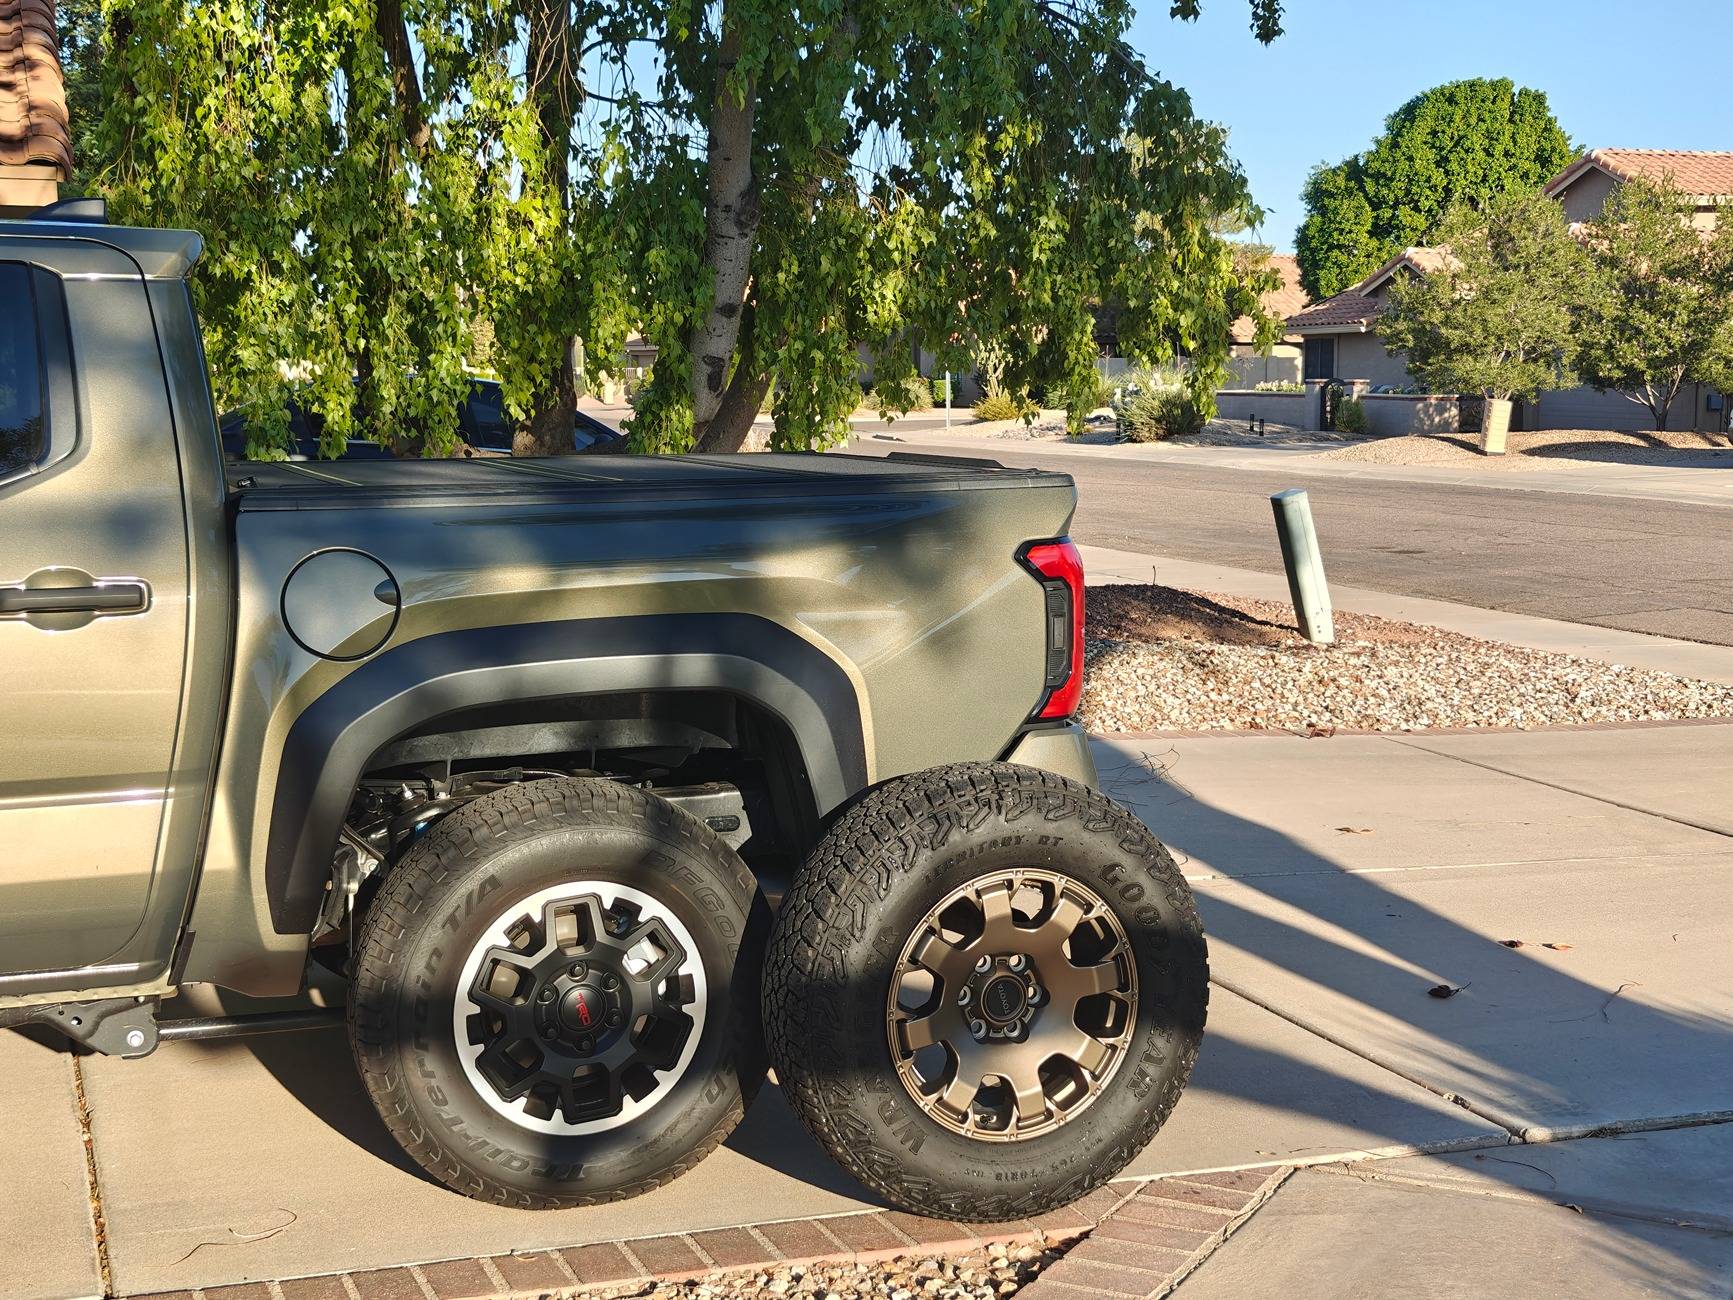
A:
x: 535, y: 1275
x: 1152, y: 1240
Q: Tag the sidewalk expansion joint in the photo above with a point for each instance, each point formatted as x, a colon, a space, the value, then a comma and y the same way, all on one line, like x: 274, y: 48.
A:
x: 1565, y: 789
x: 98, y: 1220
x: 1717, y: 1225
x: 1455, y: 1099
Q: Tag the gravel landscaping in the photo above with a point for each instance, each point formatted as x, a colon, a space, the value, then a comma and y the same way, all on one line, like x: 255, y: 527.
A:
x: 1162, y: 659
x: 987, y: 1275
x: 1545, y: 448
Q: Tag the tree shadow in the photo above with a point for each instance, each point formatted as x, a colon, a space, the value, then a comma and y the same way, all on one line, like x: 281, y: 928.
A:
x: 1506, y: 1071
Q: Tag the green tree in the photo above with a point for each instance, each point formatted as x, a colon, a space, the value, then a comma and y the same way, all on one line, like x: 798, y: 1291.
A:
x: 760, y: 188
x: 1663, y: 298
x: 1335, y: 240
x: 1459, y: 143
x: 79, y: 26
x: 1499, y: 318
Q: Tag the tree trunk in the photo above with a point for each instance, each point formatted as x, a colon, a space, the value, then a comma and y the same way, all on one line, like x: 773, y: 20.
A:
x: 549, y: 69
x: 731, y: 214
x: 731, y: 426
x: 393, y: 35
x: 548, y: 430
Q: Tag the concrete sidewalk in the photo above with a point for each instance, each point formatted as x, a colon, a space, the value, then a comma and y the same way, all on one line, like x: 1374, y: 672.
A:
x: 1610, y: 645
x: 1339, y: 880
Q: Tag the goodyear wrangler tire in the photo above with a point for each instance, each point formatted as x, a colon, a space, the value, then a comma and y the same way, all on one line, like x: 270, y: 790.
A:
x: 556, y: 994
x: 985, y: 990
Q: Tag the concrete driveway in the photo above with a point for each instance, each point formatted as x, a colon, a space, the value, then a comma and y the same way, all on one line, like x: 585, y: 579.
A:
x: 1340, y: 880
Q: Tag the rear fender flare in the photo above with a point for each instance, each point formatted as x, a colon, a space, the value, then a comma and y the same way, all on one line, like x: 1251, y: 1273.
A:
x: 419, y: 681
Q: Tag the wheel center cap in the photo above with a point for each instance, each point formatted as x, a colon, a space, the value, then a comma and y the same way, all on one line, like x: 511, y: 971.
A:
x: 582, y: 1009
x: 1004, y: 999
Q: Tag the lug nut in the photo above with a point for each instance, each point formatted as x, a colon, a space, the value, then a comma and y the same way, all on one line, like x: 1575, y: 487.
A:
x: 548, y: 1031
x: 984, y: 965
x: 546, y: 995
x: 965, y: 995
x: 978, y: 1029
x: 614, y: 1019
x: 610, y: 983
x: 585, y: 1044
x: 1019, y: 962
x: 579, y: 970
x: 1037, y: 994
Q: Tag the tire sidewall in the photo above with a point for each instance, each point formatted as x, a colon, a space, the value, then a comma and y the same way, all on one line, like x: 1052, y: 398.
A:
x: 647, y: 854
x: 1079, y: 835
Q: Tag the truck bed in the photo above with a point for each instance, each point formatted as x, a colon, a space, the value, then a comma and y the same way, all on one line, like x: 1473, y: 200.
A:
x: 303, y: 485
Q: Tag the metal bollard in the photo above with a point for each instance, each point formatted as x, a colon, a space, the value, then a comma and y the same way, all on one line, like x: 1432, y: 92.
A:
x: 1305, y: 565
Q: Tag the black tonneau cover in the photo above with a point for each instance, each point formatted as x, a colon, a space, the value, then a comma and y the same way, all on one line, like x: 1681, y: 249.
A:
x: 302, y: 485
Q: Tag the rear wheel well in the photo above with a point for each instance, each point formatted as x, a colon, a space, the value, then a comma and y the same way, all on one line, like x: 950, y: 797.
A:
x: 718, y: 754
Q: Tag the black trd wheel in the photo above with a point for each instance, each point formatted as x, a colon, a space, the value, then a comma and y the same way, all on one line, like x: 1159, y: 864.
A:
x: 985, y: 990
x: 556, y: 994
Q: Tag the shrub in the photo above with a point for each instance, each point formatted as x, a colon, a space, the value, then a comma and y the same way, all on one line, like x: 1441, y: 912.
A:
x: 1156, y: 414
x: 894, y: 399
x: 1279, y: 386
x: 1002, y: 406
x: 1351, y: 415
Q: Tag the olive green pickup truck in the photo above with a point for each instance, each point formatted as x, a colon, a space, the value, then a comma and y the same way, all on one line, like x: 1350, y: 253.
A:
x: 607, y: 784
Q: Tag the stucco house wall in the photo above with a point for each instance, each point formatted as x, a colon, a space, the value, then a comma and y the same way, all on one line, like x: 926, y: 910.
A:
x: 1362, y: 356
x: 1297, y: 409
x: 1393, y: 414
x: 1586, y: 196
x: 1584, y: 408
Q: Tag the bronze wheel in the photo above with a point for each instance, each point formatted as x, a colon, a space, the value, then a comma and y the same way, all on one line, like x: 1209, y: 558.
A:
x: 985, y: 990
x: 1012, y: 1005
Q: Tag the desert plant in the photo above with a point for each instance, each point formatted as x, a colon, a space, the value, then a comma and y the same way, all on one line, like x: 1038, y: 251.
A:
x: 1351, y: 415
x: 891, y: 399
x: 1003, y: 406
x: 1155, y: 414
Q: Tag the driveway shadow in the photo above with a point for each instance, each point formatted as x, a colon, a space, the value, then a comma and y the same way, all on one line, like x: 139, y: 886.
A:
x: 1509, y: 1066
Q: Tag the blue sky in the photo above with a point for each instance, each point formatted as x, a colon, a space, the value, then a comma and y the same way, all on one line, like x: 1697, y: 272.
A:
x: 1630, y: 75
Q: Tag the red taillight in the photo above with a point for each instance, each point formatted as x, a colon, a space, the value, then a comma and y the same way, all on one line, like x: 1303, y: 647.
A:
x: 1060, y: 570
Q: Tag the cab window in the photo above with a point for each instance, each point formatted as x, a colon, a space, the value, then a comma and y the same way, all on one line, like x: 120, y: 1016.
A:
x: 23, y: 430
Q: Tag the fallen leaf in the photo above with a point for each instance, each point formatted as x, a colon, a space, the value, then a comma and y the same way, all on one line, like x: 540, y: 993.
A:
x: 1569, y: 1206
x: 1355, y: 830
x: 1557, y: 947
x: 1444, y: 991
x: 1512, y: 943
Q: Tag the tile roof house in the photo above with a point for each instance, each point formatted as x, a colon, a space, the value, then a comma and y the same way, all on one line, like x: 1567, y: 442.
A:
x: 1246, y: 363
x: 1705, y: 177
x: 1340, y: 333
x: 35, y: 142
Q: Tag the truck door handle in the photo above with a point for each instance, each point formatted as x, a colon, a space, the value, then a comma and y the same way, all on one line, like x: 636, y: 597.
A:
x: 100, y: 598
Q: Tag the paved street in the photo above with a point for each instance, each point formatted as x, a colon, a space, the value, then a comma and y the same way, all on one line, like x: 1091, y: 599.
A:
x: 1644, y: 564
x: 1339, y: 881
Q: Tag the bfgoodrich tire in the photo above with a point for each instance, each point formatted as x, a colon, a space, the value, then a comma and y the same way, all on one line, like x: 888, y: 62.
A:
x: 985, y: 990
x: 556, y: 995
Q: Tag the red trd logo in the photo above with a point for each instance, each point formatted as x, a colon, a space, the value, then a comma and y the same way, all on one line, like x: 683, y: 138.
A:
x: 581, y: 1004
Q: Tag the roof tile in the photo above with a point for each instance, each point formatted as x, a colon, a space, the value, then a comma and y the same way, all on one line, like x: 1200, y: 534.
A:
x: 1281, y: 302
x: 1706, y: 175
x: 33, y: 122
